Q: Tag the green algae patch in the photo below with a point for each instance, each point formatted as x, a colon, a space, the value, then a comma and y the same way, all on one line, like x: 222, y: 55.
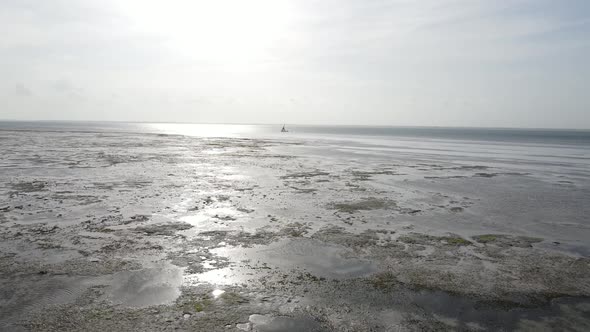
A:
x: 338, y: 235
x: 233, y: 298
x: 486, y: 238
x: 195, y: 304
x: 100, y: 313
x: 198, y: 307
x: 384, y: 281
x: 202, y: 305
x: 419, y: 239
x: 424, y: 239
x: 502, y: 240
x: 366, y: 204
x: 457, y: 241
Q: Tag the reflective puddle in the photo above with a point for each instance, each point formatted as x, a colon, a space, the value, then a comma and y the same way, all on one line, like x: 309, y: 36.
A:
x: 146, y: 287
x: 318, y: 258
x: 268, y: 323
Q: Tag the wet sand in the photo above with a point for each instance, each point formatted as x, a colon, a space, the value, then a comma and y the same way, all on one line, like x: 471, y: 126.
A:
x: 140, y: 232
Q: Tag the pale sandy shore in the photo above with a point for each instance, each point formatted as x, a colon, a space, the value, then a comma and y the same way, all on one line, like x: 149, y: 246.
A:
x: 141, y: 232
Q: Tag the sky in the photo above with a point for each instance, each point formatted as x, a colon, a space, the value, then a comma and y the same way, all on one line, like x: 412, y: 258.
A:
x: 477, y: 63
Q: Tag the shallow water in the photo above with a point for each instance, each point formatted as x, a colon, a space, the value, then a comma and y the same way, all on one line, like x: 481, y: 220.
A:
x: 20, y: 297
x: 146, y: 287
x: 280, y: 324
x: 309, y: 255
x: 470, y: 313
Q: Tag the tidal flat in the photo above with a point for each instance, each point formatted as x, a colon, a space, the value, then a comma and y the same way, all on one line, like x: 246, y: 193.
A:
x: 124, y: 231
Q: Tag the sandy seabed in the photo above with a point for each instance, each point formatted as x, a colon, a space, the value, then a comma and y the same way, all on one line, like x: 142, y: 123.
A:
x: 142, y: 232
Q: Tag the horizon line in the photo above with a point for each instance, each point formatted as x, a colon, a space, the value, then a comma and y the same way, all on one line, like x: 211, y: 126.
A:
x: 299, y: 124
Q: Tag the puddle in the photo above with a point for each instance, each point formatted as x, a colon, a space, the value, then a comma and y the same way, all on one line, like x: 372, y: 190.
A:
x: 319, y: 259
x: 146, y: 287
x: 214, y: 218
x: 139, y: 288
x: 223, y: 276
x: 196, y: 220
x: 30, y: 295
x: 268, y: 323
x: 578, y: 250
x: 314, y: 256
x: 463, y: 313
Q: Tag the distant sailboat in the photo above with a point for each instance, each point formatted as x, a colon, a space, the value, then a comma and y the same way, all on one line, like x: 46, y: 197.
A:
x: 284, y: 130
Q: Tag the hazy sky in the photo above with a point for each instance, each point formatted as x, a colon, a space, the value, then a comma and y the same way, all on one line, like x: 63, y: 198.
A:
x: 507, y: 63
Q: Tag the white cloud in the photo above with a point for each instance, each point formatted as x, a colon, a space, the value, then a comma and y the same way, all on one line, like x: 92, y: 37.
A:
x: 22, y: 91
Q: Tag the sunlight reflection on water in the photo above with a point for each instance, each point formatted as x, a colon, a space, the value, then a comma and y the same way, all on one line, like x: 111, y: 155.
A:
x: 223, y: 276
x: 203, y: 130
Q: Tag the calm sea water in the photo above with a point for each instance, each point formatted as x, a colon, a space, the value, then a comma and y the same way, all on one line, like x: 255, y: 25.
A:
x: 548, y: 152
x: 538, y: 148
x: 541, y: 136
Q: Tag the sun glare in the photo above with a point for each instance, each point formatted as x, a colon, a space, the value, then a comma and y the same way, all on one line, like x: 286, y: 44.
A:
x: 224, y: 32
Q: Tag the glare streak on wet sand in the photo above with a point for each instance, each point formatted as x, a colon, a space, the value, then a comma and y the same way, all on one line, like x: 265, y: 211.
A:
x: 104, y: 231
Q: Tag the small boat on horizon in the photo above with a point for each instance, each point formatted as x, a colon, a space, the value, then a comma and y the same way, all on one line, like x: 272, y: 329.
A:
x: 284, y: 130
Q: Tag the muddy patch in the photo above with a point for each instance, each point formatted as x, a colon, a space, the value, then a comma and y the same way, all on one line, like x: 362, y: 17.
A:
x: 30, y: 186
x: 338, y: 235
x: 304, y: 175
x: 368, y: 175
x: 424, y: 239
x: 168, y: 229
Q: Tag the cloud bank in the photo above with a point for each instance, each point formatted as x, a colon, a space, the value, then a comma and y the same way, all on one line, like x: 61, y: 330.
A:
x: 519, y: 63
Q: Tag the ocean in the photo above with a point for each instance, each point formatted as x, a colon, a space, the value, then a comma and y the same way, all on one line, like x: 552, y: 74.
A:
x: 537, y: 147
